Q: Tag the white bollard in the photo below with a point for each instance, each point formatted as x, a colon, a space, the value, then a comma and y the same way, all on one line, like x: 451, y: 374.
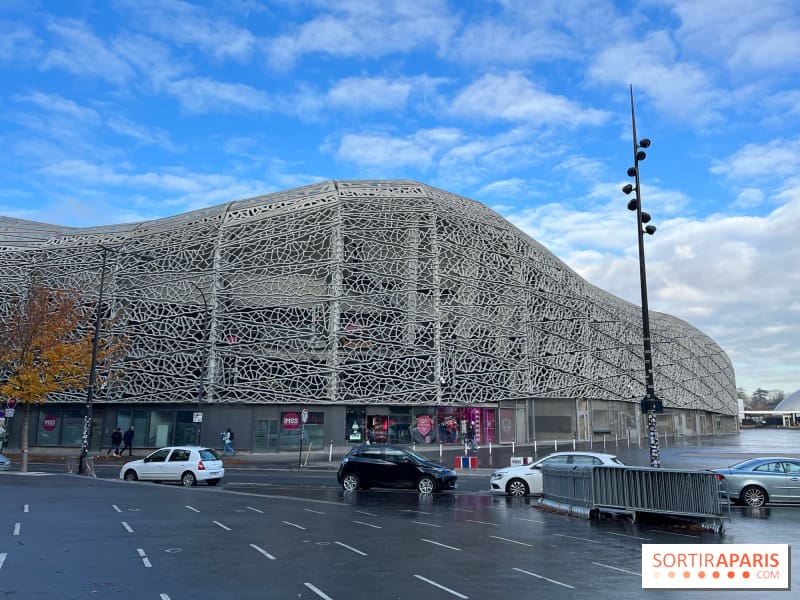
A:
x: 490, y: 448
x: 555, y: 445
x: 330, y: 452
x: 513, y: 445
x: 440, y: 449
x: 534, y: 446
x: 604, y: 441
x: 573, y: 444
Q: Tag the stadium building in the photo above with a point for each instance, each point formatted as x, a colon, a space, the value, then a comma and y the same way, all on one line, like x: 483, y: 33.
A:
x: 384, y: 308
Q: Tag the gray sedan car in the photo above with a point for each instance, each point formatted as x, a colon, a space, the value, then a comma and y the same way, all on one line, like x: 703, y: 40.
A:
x: 757, y: 481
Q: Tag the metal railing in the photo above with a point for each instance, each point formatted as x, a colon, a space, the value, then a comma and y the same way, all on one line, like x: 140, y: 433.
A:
x: 583, y: 490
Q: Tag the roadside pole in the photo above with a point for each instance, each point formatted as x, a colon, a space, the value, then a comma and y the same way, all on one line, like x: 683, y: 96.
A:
x: 303, y: 419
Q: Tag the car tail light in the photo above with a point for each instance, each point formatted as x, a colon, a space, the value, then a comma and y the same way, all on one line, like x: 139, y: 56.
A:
x: 719, y: 476
x: 201, y: 466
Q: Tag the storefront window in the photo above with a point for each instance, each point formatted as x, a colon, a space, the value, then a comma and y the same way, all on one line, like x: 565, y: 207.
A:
x: 355, y: 425
x: 291, y: 428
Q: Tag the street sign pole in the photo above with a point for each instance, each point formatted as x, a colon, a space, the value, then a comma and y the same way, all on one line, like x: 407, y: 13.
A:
x: 303, y: 419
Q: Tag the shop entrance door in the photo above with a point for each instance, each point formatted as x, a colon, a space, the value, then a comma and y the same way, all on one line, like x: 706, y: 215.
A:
x: 378, y: 427
x: 266, y: 436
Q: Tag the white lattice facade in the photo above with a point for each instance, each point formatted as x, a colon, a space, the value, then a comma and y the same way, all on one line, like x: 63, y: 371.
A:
x: 348, y: 292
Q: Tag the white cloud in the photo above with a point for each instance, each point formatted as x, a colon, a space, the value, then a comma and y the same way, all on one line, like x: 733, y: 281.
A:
x: 19, y: 45
x: 369, y: 93
x: 773, y: 160
x: 54, y: 103
x: 382, y: 150
x: 357, y: 28
x: 149, y: 136
x: 84, y: 54
x: 201, y: 95
x: 512, y: 97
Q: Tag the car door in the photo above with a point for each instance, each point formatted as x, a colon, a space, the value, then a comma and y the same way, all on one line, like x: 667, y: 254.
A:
x: 177, y: 464
x: 371, y: 469
x: 792, y: 469
x: 401, y: 470
x: 772, y: 477
x: 534, y: 476
x: 153, y: 465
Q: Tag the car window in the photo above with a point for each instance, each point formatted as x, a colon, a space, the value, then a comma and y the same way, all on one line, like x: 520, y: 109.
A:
x: 158, y: 456
x: 580, y: 459
x: 772, y: 467
x: 179, y: 455
x: 374, y: 454
x: 396, y: 456
x: 554, y: 460
x: 791, y: 467
x: 208, y: 454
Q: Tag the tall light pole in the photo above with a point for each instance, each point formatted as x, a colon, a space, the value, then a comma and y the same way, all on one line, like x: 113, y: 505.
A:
x: 650, y: 403
x: 86, y: 438
x: 204, y: 360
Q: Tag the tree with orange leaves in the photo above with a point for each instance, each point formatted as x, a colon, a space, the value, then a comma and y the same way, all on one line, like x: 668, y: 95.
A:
x: 44, y: 349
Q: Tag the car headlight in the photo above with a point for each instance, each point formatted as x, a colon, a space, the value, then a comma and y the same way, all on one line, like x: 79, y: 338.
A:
x: 498, y: 475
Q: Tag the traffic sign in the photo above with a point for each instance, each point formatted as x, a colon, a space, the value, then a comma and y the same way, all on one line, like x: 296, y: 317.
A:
x: 10, y: 412
x: 197, y: 417
x: 304, y: 415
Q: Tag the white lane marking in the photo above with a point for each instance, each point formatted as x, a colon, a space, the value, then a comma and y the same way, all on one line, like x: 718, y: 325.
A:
x: 295, y: 525
x: 351, y: 548
x: 145, y: 560
x: 419, y: 512
x: 680, y: 534
x: 481, y: 522
x: 633, y: 537
x: 115, y: 507
x: 192, y: 508
x: 617, y: 569
x: 319, y: 512
x: 25, y: 508
x: 127, y: 527
x: 463, y: 510
x: 164, y: 597
x: 441, y: 587
x: 2, y: 559
x: 572, y: 537
x: 264, y: 552
x: 261, y: 512
x: 497, y: 537
x: 440, y: 544
x: 424, y: 523
x: 221, y: 525
x: 368, y: 525
x: 369, y: 514
x: 17, y: 528
x: 529, y: 520
x: 572, y: 587
x: 317, y: 591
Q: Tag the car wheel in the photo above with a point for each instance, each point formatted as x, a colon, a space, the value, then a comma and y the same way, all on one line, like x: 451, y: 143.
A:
x: 426, y: 485
x: 517, y: 488
x: 188, y: 479
x: 130, y: 475
x: 212, y: 481
x: 754, y: 496
x: 350, y: 482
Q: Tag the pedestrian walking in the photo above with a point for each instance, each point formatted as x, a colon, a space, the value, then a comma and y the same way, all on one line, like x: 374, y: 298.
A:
x: 227, y: 439
x: 116, y: 440
x: 473, y: 445
x: 128, y: 439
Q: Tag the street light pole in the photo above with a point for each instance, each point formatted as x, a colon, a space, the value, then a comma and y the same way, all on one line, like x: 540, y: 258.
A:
x: 204, y: 360
x: 650, y: 403
x: 86, y: 438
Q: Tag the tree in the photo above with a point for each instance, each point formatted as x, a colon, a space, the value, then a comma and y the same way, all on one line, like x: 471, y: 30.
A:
x: 759, y: 399
x: 44, y: 349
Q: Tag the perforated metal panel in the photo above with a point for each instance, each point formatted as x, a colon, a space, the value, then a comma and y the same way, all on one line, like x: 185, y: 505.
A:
x: 381, y: 292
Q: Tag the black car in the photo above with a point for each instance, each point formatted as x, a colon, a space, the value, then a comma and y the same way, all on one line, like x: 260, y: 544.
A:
x: 369, y: 466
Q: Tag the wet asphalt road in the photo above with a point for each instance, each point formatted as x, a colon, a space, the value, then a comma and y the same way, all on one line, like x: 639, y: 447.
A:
x: 297, y: 536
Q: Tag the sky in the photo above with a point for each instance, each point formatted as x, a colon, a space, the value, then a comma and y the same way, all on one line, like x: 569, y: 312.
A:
x: 117, y: 111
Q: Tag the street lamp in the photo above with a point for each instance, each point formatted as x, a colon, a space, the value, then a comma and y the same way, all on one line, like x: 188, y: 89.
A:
x: 650, y: 403
x: 86, y: 438
x: 204, y: 360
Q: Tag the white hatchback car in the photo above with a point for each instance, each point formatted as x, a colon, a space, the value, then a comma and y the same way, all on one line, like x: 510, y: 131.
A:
x: 187, y: 464
x: 527, y: 479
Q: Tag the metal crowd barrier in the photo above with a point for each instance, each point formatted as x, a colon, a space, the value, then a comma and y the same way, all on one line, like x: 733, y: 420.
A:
x: 584, y: 490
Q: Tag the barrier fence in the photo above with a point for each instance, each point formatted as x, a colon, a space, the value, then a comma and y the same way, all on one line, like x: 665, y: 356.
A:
x: 585, y: 490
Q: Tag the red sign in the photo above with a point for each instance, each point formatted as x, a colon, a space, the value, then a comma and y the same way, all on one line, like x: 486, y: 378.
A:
x: 290, y: 420
x: 424, y: 424
x: 49, y: 423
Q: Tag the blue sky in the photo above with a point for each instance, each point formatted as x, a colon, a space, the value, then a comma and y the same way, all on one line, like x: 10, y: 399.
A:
x: 127, y: 110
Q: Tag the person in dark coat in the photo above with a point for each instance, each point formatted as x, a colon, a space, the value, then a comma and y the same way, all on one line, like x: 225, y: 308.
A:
x: 128, y: 439
x: 116, y: 440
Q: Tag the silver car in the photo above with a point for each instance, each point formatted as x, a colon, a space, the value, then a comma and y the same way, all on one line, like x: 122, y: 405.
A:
x: 527, y: 479
x: 757, y: 481
x: 187, y: 464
